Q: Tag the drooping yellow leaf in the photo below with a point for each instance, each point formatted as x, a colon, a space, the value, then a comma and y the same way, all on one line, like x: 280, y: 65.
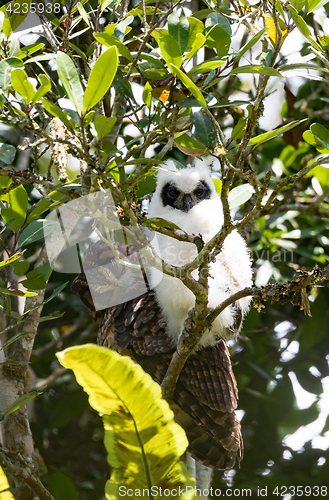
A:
x: 271, y: 29
x: 167, y: 93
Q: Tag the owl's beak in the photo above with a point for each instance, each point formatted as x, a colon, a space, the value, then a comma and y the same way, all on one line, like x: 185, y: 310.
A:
x: 186, y: 203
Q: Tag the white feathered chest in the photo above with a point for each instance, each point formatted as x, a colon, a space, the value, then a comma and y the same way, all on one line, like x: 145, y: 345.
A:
x: 230, y: 272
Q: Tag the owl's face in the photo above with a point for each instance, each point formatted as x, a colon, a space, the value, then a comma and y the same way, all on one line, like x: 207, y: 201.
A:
x: 188, y: 198
x: 177, y: 198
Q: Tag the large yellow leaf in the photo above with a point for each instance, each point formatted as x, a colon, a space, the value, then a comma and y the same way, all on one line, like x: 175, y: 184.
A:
x: 144, y: 443
x: 4, y: 487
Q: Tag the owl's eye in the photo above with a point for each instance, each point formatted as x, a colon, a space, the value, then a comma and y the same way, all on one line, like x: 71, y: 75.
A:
x: 172, y: 193
x: 199, y: 192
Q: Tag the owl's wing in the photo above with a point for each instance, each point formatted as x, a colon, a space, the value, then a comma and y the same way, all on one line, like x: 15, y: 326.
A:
x: 206, y: 393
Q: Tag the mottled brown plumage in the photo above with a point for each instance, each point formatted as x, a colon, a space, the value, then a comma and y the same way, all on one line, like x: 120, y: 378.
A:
x: 206, y: 393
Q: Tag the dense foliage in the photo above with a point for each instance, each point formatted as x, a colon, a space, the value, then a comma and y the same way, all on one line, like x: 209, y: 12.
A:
x: 96, y: 101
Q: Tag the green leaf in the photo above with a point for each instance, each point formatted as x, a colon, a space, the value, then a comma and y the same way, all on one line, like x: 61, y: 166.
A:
x: 215, y: 18
x: 110, y: 41
x: 188, y: 84
x: 41, y: 57
x: 17, y: 293
x: 7, y: 153
x: 20, y: 267
x: 250, y: 68
x: 17, y: 206
x: 206, y: 66
x: 13, y: 339
x: 39, y: 209
x: 21, y: 84
x: 202, y: 130
x: 4, y: 487
x: 152, y: 68
x: 189, y: 146
x: 36, y: 230
x: 144, y: 443
x: 49, y: 317
x: 61, y: 485
x: 170, y: 49
x: 12, y: 259
x: 19, y: 9
x: 249, y: 44
x: 100, y: 78
x: 218, y: 186
x: 196, y: 28
x: 199, y: 42
x: 303, y: 28
x: 122, y: 85
x: 38, y: 278
x: 103, y: 125
x: 289, y: 67
x: 6, y: 66
x: 84, y: 15
x: 147, y: 94
x: 21, y: 401
x: 121, y: 29
x: 219, y: 40
x: 318, y: 136
x: 238, y: 130
x: 55, y: 110
x: 274, y: 133
x: 29, y: 49
x: 45, y: 86
x: 240, y: 195
x: 69, y: 77
x: 145, y: 185
x: 179, y: 29
x: 14, y: 47
x: 159, y: 222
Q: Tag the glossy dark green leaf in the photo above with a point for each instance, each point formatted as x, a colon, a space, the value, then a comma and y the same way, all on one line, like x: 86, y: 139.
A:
x: 122, y: 84
x: 179, y: 29
x: 20, y: 267
x: 202, y: 128
x: 39, y: 209
x: 215, y: 18
x: 38, y: 278
x: 36, y: 230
